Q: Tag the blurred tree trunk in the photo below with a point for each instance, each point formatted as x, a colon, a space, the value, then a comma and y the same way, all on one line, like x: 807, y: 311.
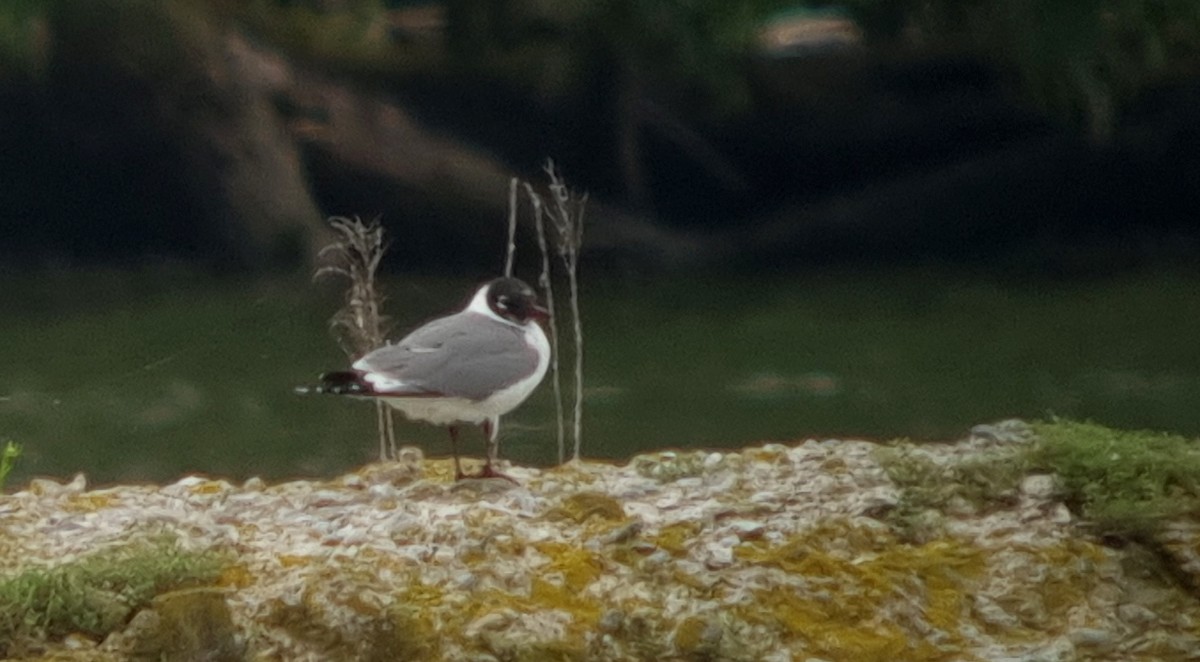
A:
x: 170, y: 63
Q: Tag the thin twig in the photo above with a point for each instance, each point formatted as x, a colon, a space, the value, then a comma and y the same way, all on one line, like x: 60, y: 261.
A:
x: 511, y: 251
x: 573, y: 280
x: 544, y: 282
x: 568, y: 224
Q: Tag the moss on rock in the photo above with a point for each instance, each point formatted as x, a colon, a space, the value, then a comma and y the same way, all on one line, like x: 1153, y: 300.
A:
x: 96, y: 594
x: 1125, y: 483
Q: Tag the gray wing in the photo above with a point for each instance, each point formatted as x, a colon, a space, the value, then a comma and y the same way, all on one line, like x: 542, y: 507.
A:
x: 466, y: 355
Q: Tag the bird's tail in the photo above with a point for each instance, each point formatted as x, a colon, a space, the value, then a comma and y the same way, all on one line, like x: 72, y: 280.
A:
x: 346, y: 382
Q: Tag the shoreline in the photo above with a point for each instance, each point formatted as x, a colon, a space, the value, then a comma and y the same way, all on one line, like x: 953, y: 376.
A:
x: 777, y: 552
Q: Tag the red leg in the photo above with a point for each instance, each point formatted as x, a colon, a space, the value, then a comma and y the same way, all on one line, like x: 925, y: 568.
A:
x: 488, y: 471
x: 458, y: 472
x: 489, y: 439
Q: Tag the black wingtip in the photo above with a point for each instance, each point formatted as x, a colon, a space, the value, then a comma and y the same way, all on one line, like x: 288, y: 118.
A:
x: 344, y: 382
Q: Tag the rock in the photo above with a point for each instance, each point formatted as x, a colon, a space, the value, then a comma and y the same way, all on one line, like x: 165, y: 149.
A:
x: 188, y: 625
x: 1061, y: 515
x: 1039, y: 486
x: 623, y: 533
x: 77, y: 485
x: 1012, y: 431
x: 381, y: 491
x: 353, y: 481
x: 610, y: 564
x: 697, y: 635
x: 747, y: 529
x: 490, y: 622
x: 188, y: 482
x: 993, y: 614
x: 957, y: 506
x: 48, y: 487
x: 1059, y: 650
x: 611, y: 621
x: 45, y: 487
x: 254, y: 484
x: 1092, y: 638
x: 720, y: 553
x: 78, y: 641
x: 1135, y: 614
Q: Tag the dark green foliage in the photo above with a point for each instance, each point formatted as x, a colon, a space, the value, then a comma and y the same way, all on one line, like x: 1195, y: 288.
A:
x: 1120, y: 483
x: 353, y: 38
x: 694, y: 48
x: 24, y: 41
x: 1082, y: 60
x: 159, y: 44
x: 1085, y: 61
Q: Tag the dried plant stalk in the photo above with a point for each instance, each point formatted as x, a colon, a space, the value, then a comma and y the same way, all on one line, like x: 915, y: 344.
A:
x: 359, y: 326
x: 567, y: 220
x: 544, y: 282
x: 511, y: 249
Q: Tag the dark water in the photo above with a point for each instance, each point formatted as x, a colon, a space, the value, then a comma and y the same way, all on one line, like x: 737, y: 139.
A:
x: 139, y: 376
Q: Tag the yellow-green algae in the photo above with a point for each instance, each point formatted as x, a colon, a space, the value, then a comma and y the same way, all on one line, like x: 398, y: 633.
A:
x: 190, y: 624
x: 690, y: 635
x: 867, y: 596
x: 88, y: 502
x: 400, y: 630
x: 96, y: 594
x: 581, y: 506
x: 411, y: 627
x: 674, y: 538
x: 577, y: 566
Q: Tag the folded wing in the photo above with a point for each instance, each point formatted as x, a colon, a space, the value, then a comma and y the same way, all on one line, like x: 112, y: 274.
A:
x: 466, y: 355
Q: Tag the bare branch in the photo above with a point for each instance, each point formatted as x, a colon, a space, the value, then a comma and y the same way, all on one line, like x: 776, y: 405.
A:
x: 544, y: 281
x: 511, y: 251
x: 567, y: 219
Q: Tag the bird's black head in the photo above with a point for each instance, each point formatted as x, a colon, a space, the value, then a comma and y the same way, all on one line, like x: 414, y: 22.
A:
x: 514, y: 300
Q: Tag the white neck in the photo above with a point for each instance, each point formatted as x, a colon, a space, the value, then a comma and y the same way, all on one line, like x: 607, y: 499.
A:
x: 479, y: 304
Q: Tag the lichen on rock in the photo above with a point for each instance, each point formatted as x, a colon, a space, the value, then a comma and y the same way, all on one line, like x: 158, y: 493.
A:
x: 788, y: 551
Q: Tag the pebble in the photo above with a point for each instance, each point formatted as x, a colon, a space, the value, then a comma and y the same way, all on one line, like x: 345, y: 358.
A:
x: 254, y: 484
x: 1061, y: 515
x: 993, y: 614
x: 1092, y: 637
x: 1039, y: 486
x: 747, y: 529
x: 1135, y: 614
x: 489, y: 622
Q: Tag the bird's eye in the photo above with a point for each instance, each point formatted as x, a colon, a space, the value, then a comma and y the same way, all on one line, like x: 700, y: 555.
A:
x: 502, y: 302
